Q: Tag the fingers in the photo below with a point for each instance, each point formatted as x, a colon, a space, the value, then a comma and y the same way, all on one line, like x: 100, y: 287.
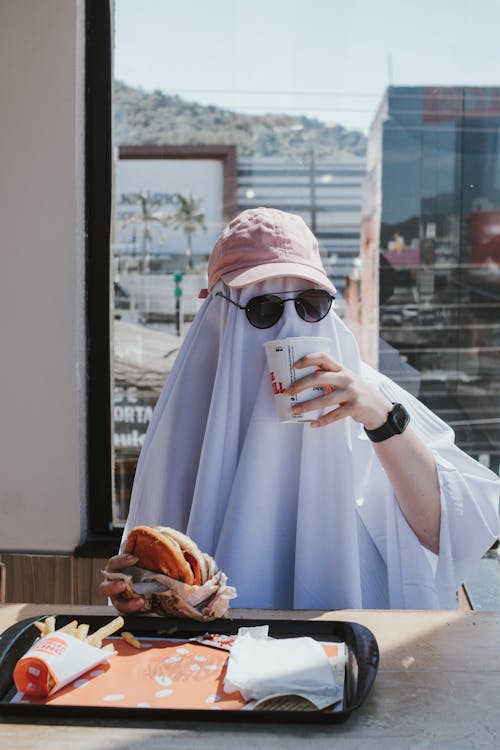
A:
x: 128, y: 606
x: 327, y: 381
x: 328, y: 375
x: 346, y: 392
x: 332, y: 416
x: 113, y: 589
x: 118, y: 562
x: 318, y: 359
x: 339, y: 410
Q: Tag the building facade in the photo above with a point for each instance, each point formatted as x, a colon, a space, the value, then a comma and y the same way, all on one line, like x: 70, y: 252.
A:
x: 327, y: 194
x: 431, y: 252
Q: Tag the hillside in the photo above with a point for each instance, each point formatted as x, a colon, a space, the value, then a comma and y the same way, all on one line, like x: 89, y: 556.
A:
x: 156, y: 118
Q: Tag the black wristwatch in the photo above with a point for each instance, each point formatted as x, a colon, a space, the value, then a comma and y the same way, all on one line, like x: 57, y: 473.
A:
x: 396, y: 423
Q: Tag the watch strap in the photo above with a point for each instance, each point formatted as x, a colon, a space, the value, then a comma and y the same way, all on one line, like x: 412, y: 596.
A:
x: 396, y: 422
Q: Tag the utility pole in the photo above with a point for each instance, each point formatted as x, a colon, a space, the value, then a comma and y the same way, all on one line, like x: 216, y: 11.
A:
x: 178, y: 295
x: 312, y: 180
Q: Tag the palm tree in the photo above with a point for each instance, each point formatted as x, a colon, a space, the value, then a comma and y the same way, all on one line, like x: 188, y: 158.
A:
x: 148, y: 213
x: 189, y: 218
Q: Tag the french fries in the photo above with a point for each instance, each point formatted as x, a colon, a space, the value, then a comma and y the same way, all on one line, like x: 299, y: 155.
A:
x: 48, y: 625
x: 69, y: 628
x: 97, y: 638
x: 80, y: 631
x: 131, y: 639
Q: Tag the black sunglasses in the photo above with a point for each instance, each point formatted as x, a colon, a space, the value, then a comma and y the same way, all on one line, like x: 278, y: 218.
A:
x: 266, y: 309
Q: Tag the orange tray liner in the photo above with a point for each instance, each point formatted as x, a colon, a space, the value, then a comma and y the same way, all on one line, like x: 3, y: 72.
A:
x: 162, y: 674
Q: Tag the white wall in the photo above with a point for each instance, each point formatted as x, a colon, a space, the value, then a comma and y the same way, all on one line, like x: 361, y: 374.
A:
x: 42, y: 480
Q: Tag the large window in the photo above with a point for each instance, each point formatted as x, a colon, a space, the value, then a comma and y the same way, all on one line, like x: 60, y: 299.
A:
x: 163, y: 232
x: 214, y: 112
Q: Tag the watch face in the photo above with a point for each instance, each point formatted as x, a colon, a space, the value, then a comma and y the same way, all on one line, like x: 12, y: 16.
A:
x: 399, y: 417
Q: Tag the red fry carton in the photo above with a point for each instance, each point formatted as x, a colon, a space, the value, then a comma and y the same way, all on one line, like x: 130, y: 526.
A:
x: 53, y: 661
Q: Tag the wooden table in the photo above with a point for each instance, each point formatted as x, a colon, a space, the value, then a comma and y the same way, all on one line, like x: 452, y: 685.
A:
x: 438, y: 686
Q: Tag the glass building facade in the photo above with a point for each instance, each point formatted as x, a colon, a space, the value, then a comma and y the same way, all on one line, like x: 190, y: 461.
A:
x: 431, y: 244
x: 326, y: 193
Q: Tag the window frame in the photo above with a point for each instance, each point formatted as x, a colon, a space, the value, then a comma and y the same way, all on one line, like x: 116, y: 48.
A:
x: 98, y: 539
x: 224, y: 153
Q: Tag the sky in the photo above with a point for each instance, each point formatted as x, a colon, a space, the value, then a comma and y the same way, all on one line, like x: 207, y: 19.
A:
x: 328, y: 59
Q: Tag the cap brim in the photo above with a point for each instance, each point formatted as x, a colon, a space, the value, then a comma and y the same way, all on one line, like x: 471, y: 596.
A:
x: 246, y: 276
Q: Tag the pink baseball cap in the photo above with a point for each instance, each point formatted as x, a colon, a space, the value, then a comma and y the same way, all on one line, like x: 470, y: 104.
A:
x: 265, y: 243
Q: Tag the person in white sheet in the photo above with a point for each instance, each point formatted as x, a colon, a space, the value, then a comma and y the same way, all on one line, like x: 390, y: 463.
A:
x: 370, y: 506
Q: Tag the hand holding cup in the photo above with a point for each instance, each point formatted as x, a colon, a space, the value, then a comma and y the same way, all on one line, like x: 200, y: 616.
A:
x: 282, y: 354
x: 346, y: 393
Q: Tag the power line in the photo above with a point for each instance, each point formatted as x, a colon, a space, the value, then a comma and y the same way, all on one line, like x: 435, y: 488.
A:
x: 270, y: 92
x: 493, y: 92
x: 255, y: 107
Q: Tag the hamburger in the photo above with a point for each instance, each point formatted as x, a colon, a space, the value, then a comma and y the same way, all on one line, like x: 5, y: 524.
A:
x: 168, y: 551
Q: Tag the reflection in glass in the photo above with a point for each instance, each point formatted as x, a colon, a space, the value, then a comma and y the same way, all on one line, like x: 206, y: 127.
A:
x: 438, y: 154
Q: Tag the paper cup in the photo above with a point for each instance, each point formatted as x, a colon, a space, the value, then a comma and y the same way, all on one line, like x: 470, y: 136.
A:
x: 281, y: 356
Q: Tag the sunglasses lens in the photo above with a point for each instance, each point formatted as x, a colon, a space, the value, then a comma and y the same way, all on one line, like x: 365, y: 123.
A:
x: 313, y: 305
x: 264, y: 311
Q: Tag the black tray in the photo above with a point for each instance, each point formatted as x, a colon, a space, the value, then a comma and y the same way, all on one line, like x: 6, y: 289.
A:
x: 361, y: 669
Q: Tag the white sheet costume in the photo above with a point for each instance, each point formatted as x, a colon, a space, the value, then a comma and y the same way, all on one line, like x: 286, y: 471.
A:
x: 299, y: 517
